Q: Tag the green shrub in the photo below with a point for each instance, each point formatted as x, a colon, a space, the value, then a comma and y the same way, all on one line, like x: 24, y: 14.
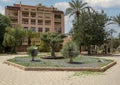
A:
x: 70, y: 51
x: 43, y: 47
x: 32, y: 51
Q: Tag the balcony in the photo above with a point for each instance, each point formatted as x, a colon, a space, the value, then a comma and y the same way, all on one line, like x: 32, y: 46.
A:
x: 47, y: 22
x: 33, y: 23
x: 24, y: 22
x: 14, y: 21
x: 33, y: 10
x: 40, y: 9
x: 13, y: 14
x: 25, y: 14
x: 33, y: 15
x: 57, y: 20
x: 25, y: 9
x: 58, y: 30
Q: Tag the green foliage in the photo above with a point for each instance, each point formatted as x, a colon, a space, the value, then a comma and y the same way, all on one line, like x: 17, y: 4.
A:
x: 4, y: 22
x: 43, y: 47
x: 52, y: 39
x: 9, y: 40
x: 76, y: 7
x: 70, y: 50
x: 90, y: 30
x: 32, y: 51
x: 14, y: 37
x: 117, y: 19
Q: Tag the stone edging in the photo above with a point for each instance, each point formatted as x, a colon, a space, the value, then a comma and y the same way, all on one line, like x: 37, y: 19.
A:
x: 100, y: 69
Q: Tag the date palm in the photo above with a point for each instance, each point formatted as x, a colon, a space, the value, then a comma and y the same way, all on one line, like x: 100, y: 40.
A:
x: 52, y: 39
x: 117, y: 19
x: 76, y: 7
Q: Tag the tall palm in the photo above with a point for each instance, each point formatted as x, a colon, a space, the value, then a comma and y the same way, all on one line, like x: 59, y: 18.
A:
x: 117, y: 19
x: 76, y: 7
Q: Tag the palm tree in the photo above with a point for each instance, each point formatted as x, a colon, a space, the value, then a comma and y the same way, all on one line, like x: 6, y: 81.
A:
x: 76, y: 7
x: 117, y: 19
x: 111, y: 31
x: 52, y: 39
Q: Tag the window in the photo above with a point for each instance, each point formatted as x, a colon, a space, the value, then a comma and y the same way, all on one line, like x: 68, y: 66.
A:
x: 14, y: 20
x: 33, y: 21
x: 47, y: 29
x: 24, y: 21
x: 48, y: 15
x: 40, y: 22
x: 40, y: 15
x: 58, y: 30
x: 58, y: 16
x: 25, y: 14
x: 39, y: 29
x: 33, y: 14
x: 25, y: 28
x: 47, y: 22
x: 33, y: 29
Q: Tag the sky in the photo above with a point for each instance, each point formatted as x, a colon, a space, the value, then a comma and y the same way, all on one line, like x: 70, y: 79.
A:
x: 111, y: 7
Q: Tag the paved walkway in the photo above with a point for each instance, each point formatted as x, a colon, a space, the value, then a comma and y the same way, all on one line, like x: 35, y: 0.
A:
x: 10, y: 75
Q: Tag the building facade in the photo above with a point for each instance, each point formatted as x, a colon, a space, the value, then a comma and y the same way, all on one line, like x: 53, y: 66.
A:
x: 36, y: 18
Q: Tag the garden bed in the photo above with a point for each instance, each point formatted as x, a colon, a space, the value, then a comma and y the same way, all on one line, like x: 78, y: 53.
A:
x: 81, y: 63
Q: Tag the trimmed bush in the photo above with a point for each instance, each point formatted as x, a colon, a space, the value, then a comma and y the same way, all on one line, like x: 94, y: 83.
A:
x: 44, y: 47
x: 70, y: 51
x: 32, y: 51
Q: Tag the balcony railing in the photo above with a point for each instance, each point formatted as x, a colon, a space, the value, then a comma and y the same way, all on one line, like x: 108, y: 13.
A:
x: 24, y: 22
x: 33, y: 23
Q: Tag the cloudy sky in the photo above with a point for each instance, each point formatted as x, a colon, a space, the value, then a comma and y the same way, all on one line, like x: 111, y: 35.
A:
x: 111, y: 7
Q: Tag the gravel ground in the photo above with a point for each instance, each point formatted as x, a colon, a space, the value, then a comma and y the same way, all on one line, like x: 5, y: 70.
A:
x: 10, y: 75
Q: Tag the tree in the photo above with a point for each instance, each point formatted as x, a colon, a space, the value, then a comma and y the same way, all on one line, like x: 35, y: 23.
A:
x: 52, y: 39
x: 44, y: 47
x: 30, y: 35
x: 111, y: 42
x: 32, y: 51
x: 4, y: 22
x: 70, y: 51
x: 39, y: 4
x: 8, y: 42
x: 117, y: 19
x: 76, y: 7
x: 16, y: 35
x: 91, y: 29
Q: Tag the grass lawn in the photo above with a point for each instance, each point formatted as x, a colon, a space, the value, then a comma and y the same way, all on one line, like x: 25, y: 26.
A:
x: 80, y: 61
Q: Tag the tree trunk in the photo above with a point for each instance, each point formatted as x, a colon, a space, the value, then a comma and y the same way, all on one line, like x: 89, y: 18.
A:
x: 29, y: 41
x: 14, y: 49
x: 52, y: 52
x: 105, y: 48
x: 32, y: 58
x: 71, y: 60
x: 89, y: 50
x: 80, y: 49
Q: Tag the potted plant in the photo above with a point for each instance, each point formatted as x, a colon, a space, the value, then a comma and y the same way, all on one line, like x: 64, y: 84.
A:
x: 32, y: 51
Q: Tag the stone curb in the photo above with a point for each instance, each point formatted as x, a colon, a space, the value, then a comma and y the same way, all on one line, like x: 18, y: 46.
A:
x: 97, y: 69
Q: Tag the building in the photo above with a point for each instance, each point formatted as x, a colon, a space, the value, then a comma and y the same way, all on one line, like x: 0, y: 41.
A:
x: 36, y: 18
